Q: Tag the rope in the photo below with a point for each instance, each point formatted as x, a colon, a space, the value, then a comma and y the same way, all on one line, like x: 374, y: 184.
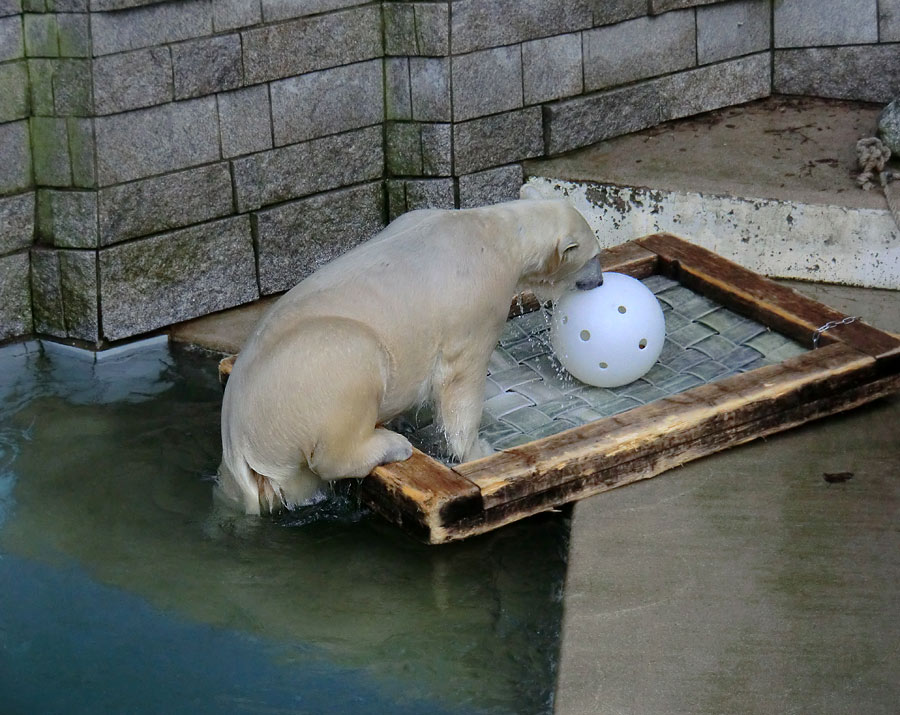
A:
x: 873, y: 156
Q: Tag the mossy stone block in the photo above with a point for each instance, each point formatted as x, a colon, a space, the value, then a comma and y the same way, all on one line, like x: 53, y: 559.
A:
x: 404, y: 148
x: 50, y: 151
x: 245, y: 120
x: 72, y: 88
x: 68, y: 219
x: 64, y: 294
x: 397, y: 100
x: 47, y: 293
x: 14, y: 91
x: 78, y: 273
x: 15, y: 298
x: 40, y: 75
x: 163, y: 203
x: 172, y: 277
x: 74, y: 34
x: 11, y: 42
x: 81, y: 151
x: 15, y: 148
x: 131, y: 80
x: 296, y: 238
x: 16, y: 222
x: 41, y: 35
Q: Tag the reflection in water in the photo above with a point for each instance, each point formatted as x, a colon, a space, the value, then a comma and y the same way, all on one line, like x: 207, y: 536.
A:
x: 120, y: 567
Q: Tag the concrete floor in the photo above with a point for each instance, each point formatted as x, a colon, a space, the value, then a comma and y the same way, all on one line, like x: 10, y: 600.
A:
x: 745, y: 582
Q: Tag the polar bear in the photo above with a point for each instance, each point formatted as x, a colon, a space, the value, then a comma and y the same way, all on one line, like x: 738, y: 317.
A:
x: 409, y: 316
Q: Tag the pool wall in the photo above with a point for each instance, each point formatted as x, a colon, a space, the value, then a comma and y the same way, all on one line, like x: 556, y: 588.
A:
x: 165, y: 160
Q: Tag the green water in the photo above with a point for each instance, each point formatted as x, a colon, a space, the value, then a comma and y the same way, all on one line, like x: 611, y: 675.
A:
x: 121, y: 590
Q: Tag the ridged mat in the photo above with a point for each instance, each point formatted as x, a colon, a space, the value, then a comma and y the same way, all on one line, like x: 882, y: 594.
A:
x: 530, y: 395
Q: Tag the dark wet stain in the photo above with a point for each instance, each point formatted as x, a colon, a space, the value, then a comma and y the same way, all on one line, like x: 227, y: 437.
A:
x: 837, y: 477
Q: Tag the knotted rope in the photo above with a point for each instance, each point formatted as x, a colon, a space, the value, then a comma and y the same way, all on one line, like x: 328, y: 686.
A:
x: 873, y: 156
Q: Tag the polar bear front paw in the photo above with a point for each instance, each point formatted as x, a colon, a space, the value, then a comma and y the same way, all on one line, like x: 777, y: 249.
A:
x: 480, y: 448
x: 394, y: 447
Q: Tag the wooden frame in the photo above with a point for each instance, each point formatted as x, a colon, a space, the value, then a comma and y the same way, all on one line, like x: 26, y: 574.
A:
x: 853, y: 364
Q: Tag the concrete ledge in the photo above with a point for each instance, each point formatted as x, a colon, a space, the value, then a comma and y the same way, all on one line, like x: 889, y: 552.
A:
x: 769, y: 185
x: 785, y: 239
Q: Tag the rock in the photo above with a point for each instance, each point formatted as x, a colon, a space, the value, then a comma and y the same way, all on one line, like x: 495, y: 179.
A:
x: 889, y: 127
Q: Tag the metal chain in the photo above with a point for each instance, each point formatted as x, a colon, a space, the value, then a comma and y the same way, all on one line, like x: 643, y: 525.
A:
x: 832, y: 324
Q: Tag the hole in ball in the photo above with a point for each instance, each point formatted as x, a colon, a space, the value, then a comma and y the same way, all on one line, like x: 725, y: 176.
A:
x: 585, y: 335
x: 604, y: 365
x: 643, y: 343
x: 622, y: 309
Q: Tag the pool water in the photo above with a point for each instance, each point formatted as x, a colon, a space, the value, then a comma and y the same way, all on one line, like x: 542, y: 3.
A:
x: 121, y: 590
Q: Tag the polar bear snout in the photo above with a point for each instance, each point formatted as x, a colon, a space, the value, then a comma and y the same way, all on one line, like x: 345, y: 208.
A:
x: 590, y: 276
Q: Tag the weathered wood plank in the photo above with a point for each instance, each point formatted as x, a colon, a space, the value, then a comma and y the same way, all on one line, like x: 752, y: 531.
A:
x: 667, y: 424
x: 776, y: 306
x: 421, y: 495
x: 593, y: 482
x: 629, y: 258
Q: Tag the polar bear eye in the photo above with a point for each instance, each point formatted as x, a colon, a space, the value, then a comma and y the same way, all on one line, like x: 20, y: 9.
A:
x: 569, y: 249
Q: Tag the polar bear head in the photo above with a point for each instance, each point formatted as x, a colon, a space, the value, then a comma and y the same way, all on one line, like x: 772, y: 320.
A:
x: 567, y: 249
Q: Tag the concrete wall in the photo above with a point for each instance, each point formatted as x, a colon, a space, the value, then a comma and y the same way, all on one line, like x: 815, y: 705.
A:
x: 160, y: 160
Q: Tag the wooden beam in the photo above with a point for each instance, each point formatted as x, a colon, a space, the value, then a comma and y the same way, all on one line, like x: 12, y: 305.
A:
x: 630, y: 258
x: 776, y: 306
x: 421, y: 495
x: 591, y: 481
x: 704, y: 415
x: 226, y: 365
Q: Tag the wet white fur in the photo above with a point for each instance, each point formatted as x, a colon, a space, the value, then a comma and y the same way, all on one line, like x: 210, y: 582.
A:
x: 413, y: 314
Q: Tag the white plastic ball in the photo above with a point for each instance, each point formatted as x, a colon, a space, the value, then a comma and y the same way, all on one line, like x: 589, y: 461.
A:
x: 611, y: 335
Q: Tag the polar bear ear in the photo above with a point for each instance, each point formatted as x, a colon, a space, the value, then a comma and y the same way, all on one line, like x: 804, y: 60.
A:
x: 529, y: 191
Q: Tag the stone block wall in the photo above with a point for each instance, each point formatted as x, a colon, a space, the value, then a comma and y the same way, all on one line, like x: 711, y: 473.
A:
x: 473, y: 87
x: 192, y: 155
x: 163, y: 159
x: 16, y: 182
x: 845, y: 49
